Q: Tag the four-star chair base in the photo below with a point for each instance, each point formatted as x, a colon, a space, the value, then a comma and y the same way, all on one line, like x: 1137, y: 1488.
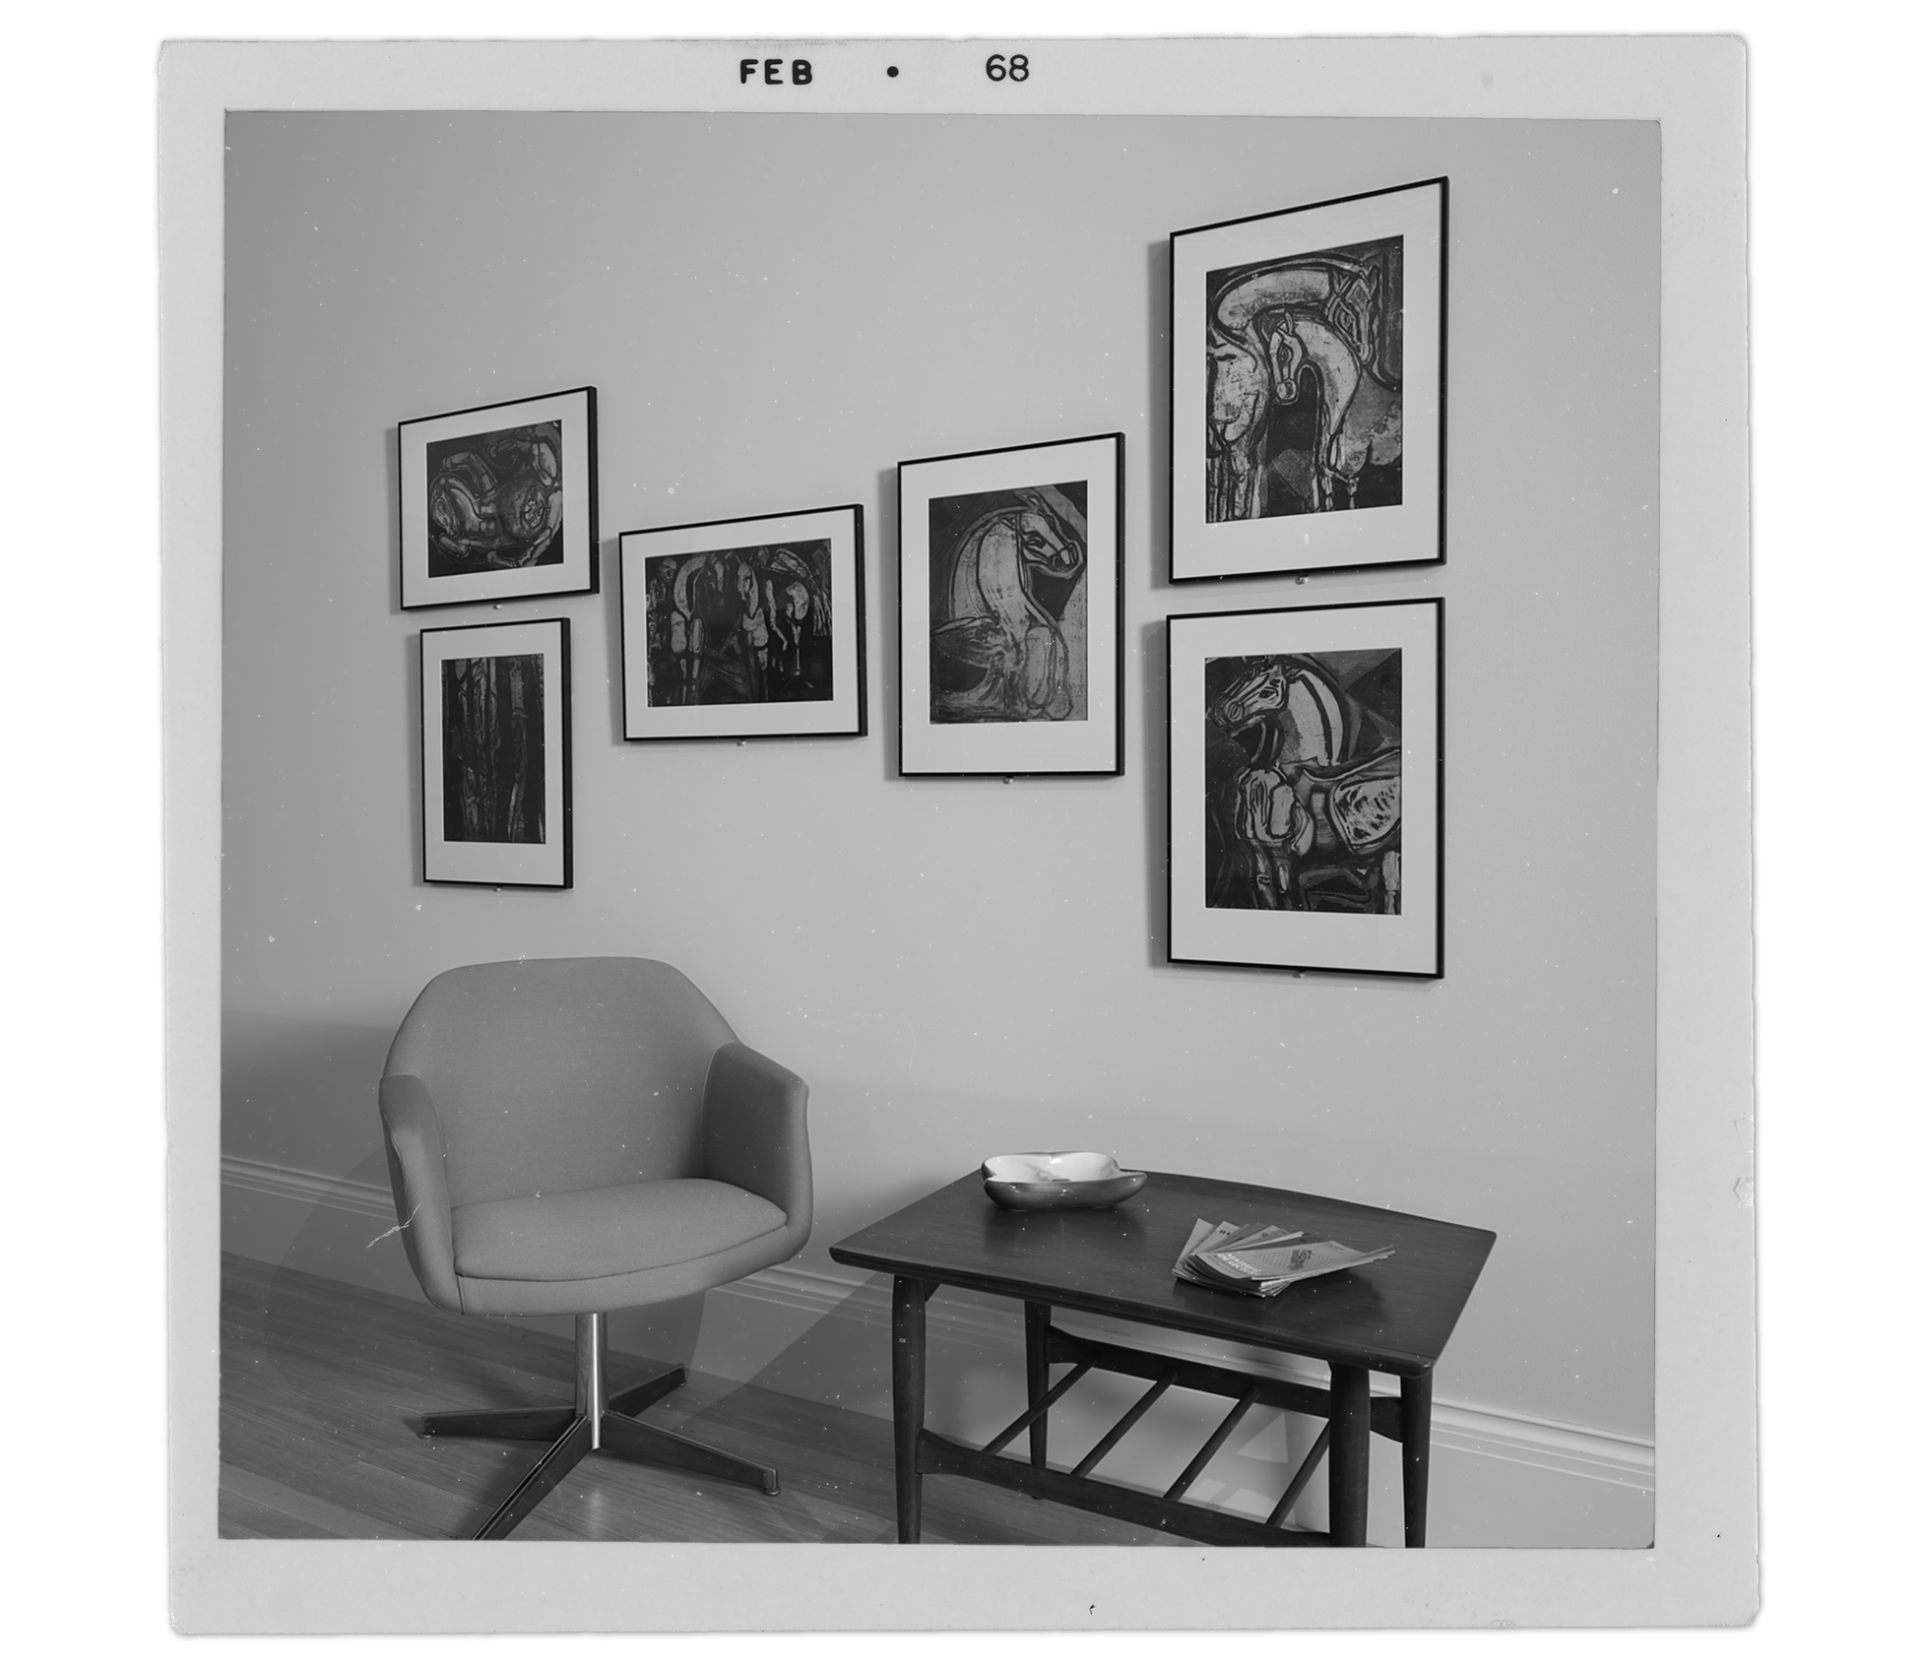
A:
x: 595, y: 1422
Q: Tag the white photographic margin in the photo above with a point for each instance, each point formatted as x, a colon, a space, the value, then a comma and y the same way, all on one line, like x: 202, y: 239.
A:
x: 1408, y: 943
x: 844, y: 715
x: 1094, y: 747
x: 579, y: 568
x: 1414, y: 530
x: 485, y: 862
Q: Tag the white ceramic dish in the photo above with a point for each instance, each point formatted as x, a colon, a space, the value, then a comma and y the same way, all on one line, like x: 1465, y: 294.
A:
x: 1059, y: 1181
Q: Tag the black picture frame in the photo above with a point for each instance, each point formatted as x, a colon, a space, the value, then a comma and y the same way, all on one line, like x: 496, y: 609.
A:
x: 490, y: 501
x: 790, y: 660
x: 1306, y: 784
x: 497, y: 697
x: 983, y: 692
x: 1307, y: 392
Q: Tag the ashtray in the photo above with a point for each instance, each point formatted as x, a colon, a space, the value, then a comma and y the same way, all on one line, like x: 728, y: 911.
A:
x: 1059, y: 1181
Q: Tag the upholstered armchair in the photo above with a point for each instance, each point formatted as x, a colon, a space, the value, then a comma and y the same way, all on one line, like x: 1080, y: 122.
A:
x: 570, y: 1137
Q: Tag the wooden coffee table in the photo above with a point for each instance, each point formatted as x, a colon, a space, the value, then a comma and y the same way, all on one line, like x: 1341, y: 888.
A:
x: 1393, y: 1316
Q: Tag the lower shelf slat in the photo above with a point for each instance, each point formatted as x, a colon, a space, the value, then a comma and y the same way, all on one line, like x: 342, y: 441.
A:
x: 938, y: 1455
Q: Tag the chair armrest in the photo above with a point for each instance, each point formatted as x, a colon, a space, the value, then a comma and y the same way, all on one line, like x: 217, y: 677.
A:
x: 417, y: 1162
x: 754, y: 1132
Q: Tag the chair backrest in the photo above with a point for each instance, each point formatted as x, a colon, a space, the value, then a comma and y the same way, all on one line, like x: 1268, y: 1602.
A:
x: 550, y: 1076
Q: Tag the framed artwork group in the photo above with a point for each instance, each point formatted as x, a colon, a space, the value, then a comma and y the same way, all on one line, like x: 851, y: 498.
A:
x: 1304, y: 744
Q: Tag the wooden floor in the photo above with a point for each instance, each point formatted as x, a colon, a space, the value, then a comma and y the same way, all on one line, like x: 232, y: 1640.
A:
x: 322, y: 1385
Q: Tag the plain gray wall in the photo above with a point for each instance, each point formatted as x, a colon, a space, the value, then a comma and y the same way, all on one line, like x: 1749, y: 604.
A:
x: 774, y: 310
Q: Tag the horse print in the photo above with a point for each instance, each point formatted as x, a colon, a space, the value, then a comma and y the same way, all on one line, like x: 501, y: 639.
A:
x: 493, y: 501
x: 1304, y: 383
x: 493, y: 736
x: 748, y: 624
x: 1007, y: 601
x: 1303, y: 781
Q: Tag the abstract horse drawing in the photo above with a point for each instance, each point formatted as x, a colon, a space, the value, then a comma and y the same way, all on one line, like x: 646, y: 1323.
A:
x: 1002, y: 654
x: 493, y: 501
x: 1303, y: 786
x: 1268, y: 328
x: 744, y: 625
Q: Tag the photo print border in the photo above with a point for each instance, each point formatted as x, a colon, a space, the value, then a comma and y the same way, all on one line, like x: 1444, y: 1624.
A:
x: 525, y: 472
x: 1282, y: 784
x: 547, y: 862
x: 768, y: 649
x: 1022, y: 674
x: 1350, y: 470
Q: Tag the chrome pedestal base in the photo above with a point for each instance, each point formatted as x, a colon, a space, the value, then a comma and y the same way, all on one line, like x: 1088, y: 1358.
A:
x: 596, y: 1422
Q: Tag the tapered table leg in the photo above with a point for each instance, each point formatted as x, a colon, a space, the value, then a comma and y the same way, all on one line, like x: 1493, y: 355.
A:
x: 1348, y: 1454
x: 1416, y: 1448
x: 1039, y: 1318
x: 575, y: 1443
x: 909, y: 1399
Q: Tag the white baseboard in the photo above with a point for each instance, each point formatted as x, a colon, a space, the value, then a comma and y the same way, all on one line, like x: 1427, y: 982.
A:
x: 1511, y: 1478
x: 308, y: 1187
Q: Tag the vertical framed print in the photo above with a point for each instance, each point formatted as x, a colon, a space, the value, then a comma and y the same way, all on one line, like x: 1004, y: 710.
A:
x: 1011, y: 599
x: 1305, y: 788
x: 753, y: 627
x: 1309, y: 387
x: 496, y: 755
x: 500, y: 501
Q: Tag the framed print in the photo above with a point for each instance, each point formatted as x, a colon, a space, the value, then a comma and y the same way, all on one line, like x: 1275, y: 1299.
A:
x: 1309, y: 387
x: 495, y: 749
x: 482, y: 493
x: 1011, y: 570
x: 1304, y: 784
x: 754, y: 627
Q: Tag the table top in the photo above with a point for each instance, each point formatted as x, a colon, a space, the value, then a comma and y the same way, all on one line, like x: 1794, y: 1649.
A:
x: 1393, y: 1316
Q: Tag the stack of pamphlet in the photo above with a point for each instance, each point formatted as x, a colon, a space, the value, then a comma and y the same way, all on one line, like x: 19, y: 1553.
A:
x: 1262, y: 1261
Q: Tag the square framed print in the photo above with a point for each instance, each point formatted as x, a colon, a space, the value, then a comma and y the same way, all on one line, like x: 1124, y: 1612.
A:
x: 753, y: 627
x: 496, y: 755
x: 1012, y: 564
x: 1304, y: 788
x: 482, y: 495
x: 1309, y: 387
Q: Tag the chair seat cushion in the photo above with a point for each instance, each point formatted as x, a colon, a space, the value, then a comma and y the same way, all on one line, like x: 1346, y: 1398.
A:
x: 601, y: 1231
